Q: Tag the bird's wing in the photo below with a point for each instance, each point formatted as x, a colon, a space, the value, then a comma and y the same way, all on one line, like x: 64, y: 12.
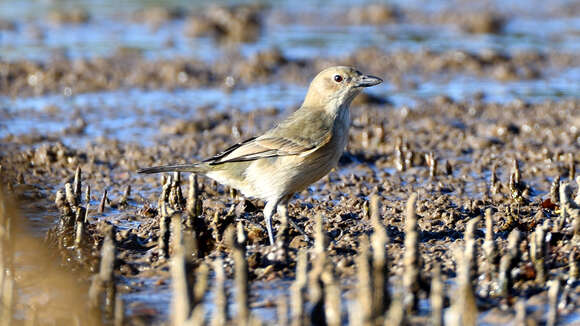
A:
x: 300, y: 133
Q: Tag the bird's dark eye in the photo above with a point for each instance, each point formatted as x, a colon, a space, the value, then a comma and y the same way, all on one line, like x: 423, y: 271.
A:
x: 337, y: 78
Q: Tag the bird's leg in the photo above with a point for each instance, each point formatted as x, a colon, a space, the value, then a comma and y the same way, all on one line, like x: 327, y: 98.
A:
x: 269, y: 211
x: 285, y: 217
x: 283, y: 211
x: 299, y: 229
x: 282, y: 208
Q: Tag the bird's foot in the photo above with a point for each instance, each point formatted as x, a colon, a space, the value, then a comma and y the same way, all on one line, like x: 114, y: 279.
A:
x: 299, y: 229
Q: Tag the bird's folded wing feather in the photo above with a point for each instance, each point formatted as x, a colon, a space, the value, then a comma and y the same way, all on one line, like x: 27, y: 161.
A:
x: 297, y: 135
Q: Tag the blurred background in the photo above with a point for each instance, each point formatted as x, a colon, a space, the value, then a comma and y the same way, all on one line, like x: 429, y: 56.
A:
x: 261, y: 54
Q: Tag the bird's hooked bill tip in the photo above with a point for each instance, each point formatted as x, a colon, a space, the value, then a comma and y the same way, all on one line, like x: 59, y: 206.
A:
x: 368, y: 80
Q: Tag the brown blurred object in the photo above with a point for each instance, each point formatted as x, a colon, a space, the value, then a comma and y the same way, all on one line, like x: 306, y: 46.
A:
x: 483, y: 23
x: 34, y: 289
x: 231, y: 24
x: 69, y: 16
x: 374, y: 14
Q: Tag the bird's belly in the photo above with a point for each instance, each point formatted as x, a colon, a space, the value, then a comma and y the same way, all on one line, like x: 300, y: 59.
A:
x: 273, y: 178
x: 277, y: 177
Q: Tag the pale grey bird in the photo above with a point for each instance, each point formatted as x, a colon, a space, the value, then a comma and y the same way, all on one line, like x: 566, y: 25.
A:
x: 294, y: 154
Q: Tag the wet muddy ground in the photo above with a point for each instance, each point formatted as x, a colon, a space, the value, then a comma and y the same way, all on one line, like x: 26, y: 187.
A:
x: 461, y: 165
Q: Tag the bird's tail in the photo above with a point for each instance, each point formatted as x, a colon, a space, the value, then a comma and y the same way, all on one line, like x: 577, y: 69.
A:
x: 195, y: 168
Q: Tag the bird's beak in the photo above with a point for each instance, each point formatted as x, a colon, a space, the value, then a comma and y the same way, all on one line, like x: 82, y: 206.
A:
x: 367, y: 81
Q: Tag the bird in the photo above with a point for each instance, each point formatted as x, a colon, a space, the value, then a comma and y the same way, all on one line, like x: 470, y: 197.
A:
x: 296, y: 152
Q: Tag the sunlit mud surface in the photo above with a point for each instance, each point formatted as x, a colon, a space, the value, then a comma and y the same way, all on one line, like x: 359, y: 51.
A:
x: 479, y: 111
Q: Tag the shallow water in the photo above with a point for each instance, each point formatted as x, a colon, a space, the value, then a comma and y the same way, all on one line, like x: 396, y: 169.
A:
x: 109, y: 29
x: 133, y: 115
x: 105, y: 31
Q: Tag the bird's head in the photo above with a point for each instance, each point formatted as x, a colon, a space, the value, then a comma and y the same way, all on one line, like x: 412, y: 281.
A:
x: 337, y: 86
